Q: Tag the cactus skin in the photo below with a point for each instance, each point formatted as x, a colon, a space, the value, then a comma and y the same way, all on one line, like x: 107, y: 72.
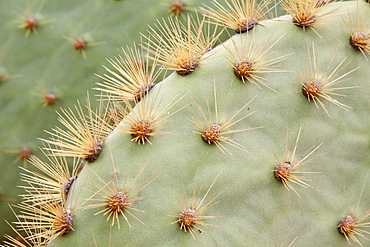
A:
x: 47, y: 61
x: 257, y: 210
x: 254, y: 204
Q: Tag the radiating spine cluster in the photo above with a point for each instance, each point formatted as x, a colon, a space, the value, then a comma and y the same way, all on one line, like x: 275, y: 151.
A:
x: 318, y: 83
x: 85, y: 134
x: 286, y: 168
x: 181, y: 47
x: 352, y: 225
x: 252, y: 61
x: 239, y: 15
x: 214, y: 129
x: 133, y: 77
x: 116, y: 201
x: 190, y: 217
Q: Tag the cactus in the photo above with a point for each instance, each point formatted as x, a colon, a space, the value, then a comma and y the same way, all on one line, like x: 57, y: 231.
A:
x: 41, y: 70
x: 262, y: 142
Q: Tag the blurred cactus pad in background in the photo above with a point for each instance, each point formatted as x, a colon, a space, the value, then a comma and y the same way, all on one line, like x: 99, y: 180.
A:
x: 185, y: 123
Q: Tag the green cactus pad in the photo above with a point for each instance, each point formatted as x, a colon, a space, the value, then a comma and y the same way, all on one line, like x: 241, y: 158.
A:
x: 225, y: 178
x: 46, y: 62
x: 255, y: 208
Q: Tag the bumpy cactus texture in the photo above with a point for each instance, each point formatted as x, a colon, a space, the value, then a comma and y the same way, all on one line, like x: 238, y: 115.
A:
x: 47, y: 62
x: 252, y: 208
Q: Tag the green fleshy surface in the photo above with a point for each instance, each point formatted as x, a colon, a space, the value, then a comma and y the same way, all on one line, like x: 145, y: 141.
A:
x: 49, y: 61
x: 256, y: 209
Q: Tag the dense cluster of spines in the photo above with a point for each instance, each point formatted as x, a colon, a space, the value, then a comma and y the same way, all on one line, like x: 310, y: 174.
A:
x: 145, y: 120
x: 85, y: 134
x: 318, y: 83
x: 214, y: 130
x: 240, y: 16
x: 286, y: 168
x: 134, y: 78
x: 181, y: 47
x: 251, y: 62
x: 352, y: 226
x: 143, y: 124
x: 307, y: 14
x: 190, y: 217
x: 115, y: 201
x: 359, y: 30
x: 46, y: 221
x: 55, y: 180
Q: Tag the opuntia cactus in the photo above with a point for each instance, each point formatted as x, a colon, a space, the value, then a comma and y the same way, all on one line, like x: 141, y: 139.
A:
x: 41, y: 70
x: 262, y: 141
